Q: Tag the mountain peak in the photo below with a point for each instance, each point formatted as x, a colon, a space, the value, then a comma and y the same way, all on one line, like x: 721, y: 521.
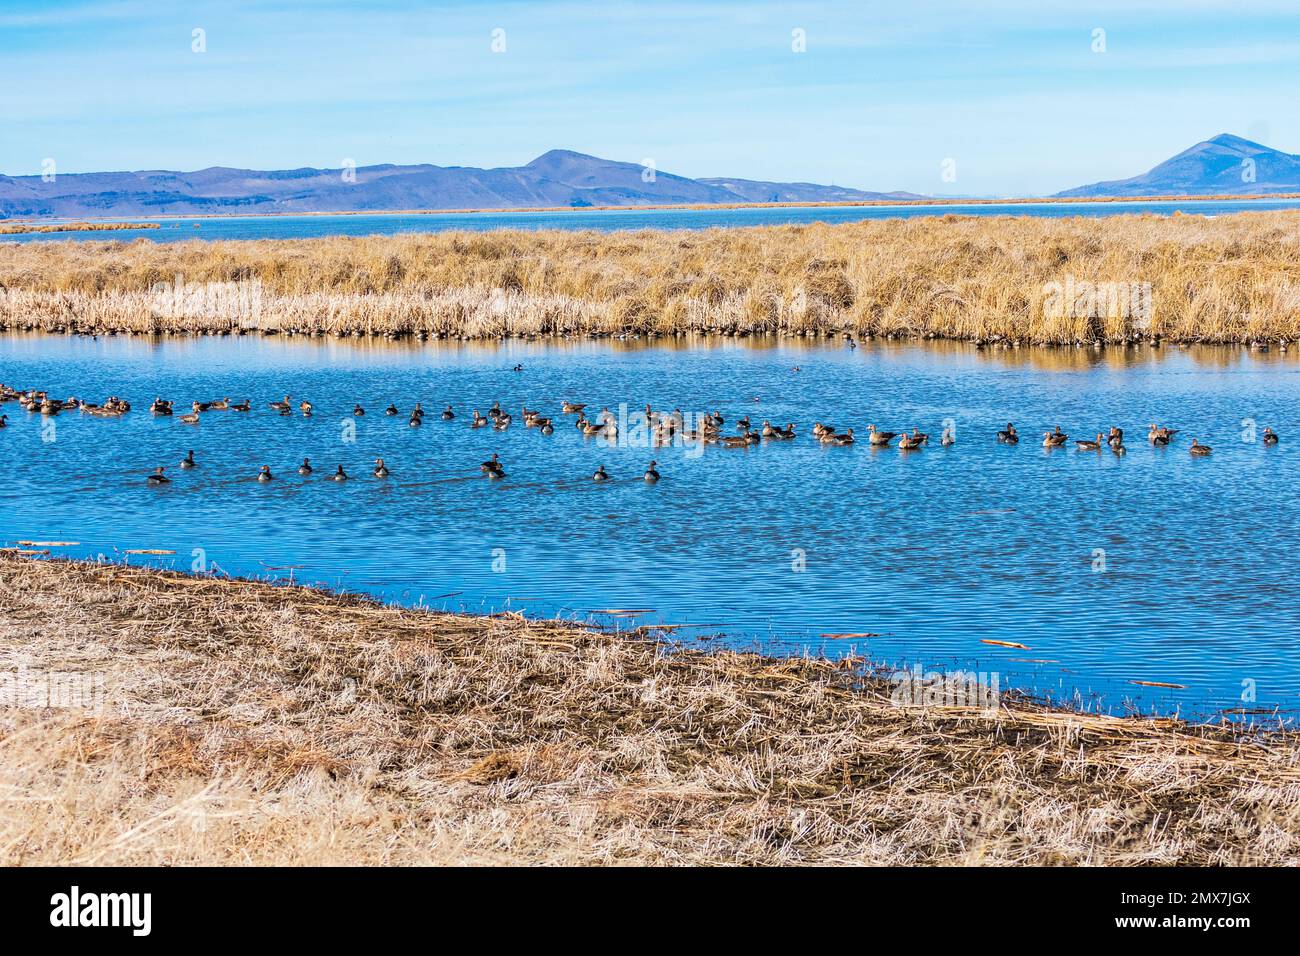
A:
x: 1224, y: 165
x: 1235, y: 142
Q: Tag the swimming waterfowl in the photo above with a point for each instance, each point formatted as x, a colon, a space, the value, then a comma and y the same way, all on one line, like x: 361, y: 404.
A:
x: 947, y: 439
x: 502, y: 422
x: 651, y: 473
x: 1198, y: 449
x: 1009, y: 435
x: 221, y: 405
x: 448, y: 414
x: 4, y: 421
x: 1270, y: 436
x: 265, y: 473
x: 1115, y: 438
x: 879, y: 438
x: 416, y: 420
x: 188, y: 461
x: 197, y: 407
x: 161, y: 407
x: 158, y: 478
x: 820, y: 430
x: 381, y: 470
x: 923, y: 437
x: 305, y: 407
x: 1084, y: 444
x: 547, y: 427
x: 191, y: 419
x: 845, y: 439
x: 478, y: 421
x: 243, y: 406
x: 390, y: 410
x: 600, y: 474
x: 358, y: 411
x: 1119, y: 449
x: 572, y: 408
x: 284, y: 407
x: 495, y: 410
x: 742, y: 440
x: 1161, y: 436
x: 340, y: 475
x: 305, y: 468
x: 910, y: 442
x: 491, y: 466
x: 1054, y: 439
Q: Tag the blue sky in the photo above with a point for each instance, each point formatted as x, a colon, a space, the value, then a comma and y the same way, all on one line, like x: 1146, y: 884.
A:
x: 1012, y: 92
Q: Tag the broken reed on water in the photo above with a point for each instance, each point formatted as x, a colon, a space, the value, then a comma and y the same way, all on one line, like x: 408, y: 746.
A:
x: 1110, y: 279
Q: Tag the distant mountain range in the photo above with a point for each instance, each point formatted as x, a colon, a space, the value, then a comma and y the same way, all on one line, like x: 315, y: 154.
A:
x: 557, y: 178
x: 1224, y: 165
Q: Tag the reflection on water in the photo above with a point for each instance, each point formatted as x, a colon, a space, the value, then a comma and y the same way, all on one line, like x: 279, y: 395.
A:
x: 1155, y: 567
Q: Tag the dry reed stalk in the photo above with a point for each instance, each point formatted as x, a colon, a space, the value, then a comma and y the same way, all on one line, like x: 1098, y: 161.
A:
x: 251, y: 722
x: 1227, y: 279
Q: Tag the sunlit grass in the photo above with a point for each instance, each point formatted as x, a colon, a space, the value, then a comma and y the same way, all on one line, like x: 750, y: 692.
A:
x: 1227, y: 279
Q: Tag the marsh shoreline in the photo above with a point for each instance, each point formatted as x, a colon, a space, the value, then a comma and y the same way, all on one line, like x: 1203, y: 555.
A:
x: 249, y: 722
x: 1002, y: 280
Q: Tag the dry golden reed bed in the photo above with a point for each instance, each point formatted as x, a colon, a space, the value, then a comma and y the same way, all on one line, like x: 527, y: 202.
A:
x: 18, y: 228
x: 1227, y: 279
x: 251, y: 723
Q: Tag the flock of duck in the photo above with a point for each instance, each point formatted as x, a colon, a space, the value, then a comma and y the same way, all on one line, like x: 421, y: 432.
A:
x: 665, y: 427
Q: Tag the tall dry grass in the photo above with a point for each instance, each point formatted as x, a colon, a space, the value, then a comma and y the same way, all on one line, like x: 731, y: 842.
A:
x: 250, y: 723
x: 1227, y: 279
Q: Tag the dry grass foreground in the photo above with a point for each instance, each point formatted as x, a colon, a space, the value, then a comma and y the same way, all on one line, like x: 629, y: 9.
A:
x: 252, y: 723
x: 1006, y: 278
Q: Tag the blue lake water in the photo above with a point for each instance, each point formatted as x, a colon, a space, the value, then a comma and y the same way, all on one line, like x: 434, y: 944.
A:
x: 1156, y: 566
x: 302, y: 227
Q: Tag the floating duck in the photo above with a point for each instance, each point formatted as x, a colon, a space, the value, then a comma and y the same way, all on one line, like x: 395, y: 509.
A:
x: 1086, y: 445
x: 1270, y: 436
x: 879, y: 438
x: 158, y: 478
x: 448, y: 414
x: 358, y: 411
x: 340, y: 475
x: 188, y: 461
x: 1009, y: 435
x: 381, y: 470
x: 305, y: 468
x: 265, y: 473
x: 1199, y: 449
x: 600, y: 474
x: 652, y: 473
